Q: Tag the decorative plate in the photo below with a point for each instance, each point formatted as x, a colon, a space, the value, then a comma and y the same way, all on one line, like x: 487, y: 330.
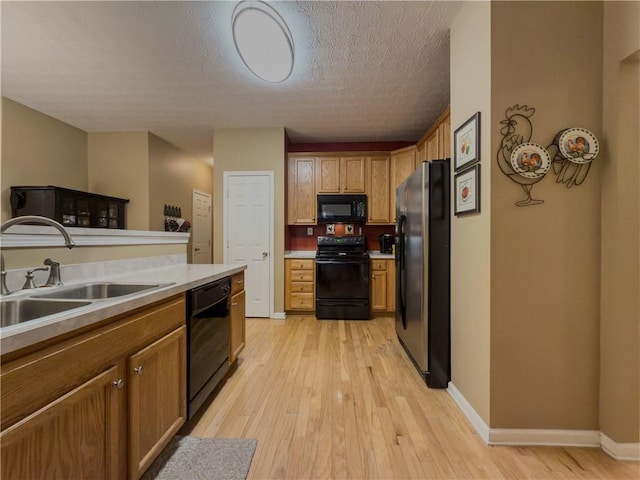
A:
x: 530, y: 160
x: 578, y: 145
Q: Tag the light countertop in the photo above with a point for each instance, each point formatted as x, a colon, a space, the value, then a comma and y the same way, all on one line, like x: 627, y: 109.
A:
x: 312, y: 254
x: 300, y: 254
x: 378, y: 256
x: 180, y: 278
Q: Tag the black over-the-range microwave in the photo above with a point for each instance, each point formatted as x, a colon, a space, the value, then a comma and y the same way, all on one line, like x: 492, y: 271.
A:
x: 342, y: 209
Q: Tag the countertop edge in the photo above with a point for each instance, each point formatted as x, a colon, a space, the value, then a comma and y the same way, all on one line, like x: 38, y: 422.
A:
x: 310, y: 254
x: 23, y: 335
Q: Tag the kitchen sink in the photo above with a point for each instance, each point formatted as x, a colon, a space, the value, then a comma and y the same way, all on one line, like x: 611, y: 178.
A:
x: 13, y: 312
x: 97, y: 291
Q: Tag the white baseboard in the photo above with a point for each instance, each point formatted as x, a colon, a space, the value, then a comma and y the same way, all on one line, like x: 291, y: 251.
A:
x: 279, y: 315
x: 546, y: 437
x: 620, y: 451
x: 476, y: 420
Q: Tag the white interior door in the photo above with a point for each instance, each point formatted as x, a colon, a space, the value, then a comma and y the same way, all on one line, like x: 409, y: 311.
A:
x: 248, y: 235
x: 201, y: 228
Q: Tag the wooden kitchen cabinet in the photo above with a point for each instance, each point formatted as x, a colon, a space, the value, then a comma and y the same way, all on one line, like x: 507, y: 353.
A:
x: 403, y: 163
x: 382, y: 285
x: 301, y: 194
x: 353, y: 174
x: 340, y: 174
x: 300, y: 284
x: 74, y: 436
x: 391, y: 285
x: 237, y: 316
x: 157, y: 398
x: 436, y: 142
x: 378, y: 190
x: 327, y: 174
x: 67, y: 399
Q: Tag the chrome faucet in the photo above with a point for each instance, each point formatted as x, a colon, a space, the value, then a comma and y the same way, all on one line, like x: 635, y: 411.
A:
x: 38, y: 220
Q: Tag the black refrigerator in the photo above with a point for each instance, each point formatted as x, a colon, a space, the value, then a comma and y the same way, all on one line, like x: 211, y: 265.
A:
x: 423, y: 270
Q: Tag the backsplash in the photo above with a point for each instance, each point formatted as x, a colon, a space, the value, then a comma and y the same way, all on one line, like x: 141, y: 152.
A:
x: 297, y: 238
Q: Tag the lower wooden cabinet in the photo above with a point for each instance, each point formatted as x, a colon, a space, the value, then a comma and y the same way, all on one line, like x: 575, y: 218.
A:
x: 75, y: 436
x: 64, y: 405
x: 238, y: 322
x: 157, y: 398
x: 383, y: 282
x: 237, y: 327
x: 300, y: 279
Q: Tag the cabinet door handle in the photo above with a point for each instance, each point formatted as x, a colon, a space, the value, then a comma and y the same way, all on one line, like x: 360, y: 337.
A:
x: 234, y: 304
x: 118, y: 383
x: 239, y: 281
x: 138, y: 369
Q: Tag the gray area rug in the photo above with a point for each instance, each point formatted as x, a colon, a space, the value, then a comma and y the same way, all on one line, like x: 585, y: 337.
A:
x: 193, y: 458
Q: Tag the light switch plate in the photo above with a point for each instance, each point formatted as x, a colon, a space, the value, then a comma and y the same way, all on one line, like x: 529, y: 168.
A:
x: 309, y: 231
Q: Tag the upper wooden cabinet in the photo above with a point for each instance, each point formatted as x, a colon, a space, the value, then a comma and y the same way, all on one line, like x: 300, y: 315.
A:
x: 340, y: 174
x: 327, y: 174
x: 301, y: 191
x: 403, y: 163
x: 353, y: 174
x: 436, y: 143
x: 378, y: 185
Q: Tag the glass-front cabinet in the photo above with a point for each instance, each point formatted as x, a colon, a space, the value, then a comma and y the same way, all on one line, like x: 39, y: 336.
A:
x: 71, y: 208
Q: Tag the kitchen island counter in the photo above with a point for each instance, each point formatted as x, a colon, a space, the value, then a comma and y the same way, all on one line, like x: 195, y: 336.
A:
x: 175, y: 278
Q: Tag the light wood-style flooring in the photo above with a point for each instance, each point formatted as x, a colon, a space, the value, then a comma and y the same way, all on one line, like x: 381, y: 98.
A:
x: 340, y: 399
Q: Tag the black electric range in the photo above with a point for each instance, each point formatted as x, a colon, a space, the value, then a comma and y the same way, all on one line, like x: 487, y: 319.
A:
x: 342, y: 278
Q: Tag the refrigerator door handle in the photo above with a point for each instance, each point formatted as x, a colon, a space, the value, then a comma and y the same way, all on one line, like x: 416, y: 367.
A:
x: 401, y: 271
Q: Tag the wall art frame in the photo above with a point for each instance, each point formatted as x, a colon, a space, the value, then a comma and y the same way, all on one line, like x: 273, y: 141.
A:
x: 467, y: 191
x: 466, y: 143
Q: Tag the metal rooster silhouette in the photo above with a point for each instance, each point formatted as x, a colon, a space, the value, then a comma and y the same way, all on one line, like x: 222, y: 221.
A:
x: 517, y: 130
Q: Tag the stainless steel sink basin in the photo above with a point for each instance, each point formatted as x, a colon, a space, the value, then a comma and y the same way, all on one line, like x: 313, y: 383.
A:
x: 97, y: 291
x: 22, y: 310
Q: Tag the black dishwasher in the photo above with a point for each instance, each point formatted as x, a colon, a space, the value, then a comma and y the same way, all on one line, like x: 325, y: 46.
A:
x: 207, y: 341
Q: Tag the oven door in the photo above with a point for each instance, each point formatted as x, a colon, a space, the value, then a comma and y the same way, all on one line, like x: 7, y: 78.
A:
x: 342, y: 278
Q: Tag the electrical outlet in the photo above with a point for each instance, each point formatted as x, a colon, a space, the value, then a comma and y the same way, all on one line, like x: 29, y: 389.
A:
x: 310, y: 231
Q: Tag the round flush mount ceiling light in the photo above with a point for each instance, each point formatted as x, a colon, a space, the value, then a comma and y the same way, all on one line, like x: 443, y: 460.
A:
x: 263, y: 40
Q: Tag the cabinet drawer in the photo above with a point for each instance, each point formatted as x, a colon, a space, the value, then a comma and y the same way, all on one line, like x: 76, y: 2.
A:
x: 302, y: 301
x: 301, y: 276
x: 237, y: 283
x: 378, y: 264
x: 301, y: 287
x: 302, y: 264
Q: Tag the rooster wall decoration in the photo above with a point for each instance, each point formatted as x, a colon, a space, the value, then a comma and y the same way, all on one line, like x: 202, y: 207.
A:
x: 573, y: 151
x: 522, y: 161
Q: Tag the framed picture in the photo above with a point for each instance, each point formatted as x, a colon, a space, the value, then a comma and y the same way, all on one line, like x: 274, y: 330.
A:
x: 467, y: 191
x: 466, y: 143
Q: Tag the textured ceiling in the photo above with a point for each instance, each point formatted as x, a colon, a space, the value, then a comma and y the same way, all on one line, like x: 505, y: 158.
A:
x: 364, y: 71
